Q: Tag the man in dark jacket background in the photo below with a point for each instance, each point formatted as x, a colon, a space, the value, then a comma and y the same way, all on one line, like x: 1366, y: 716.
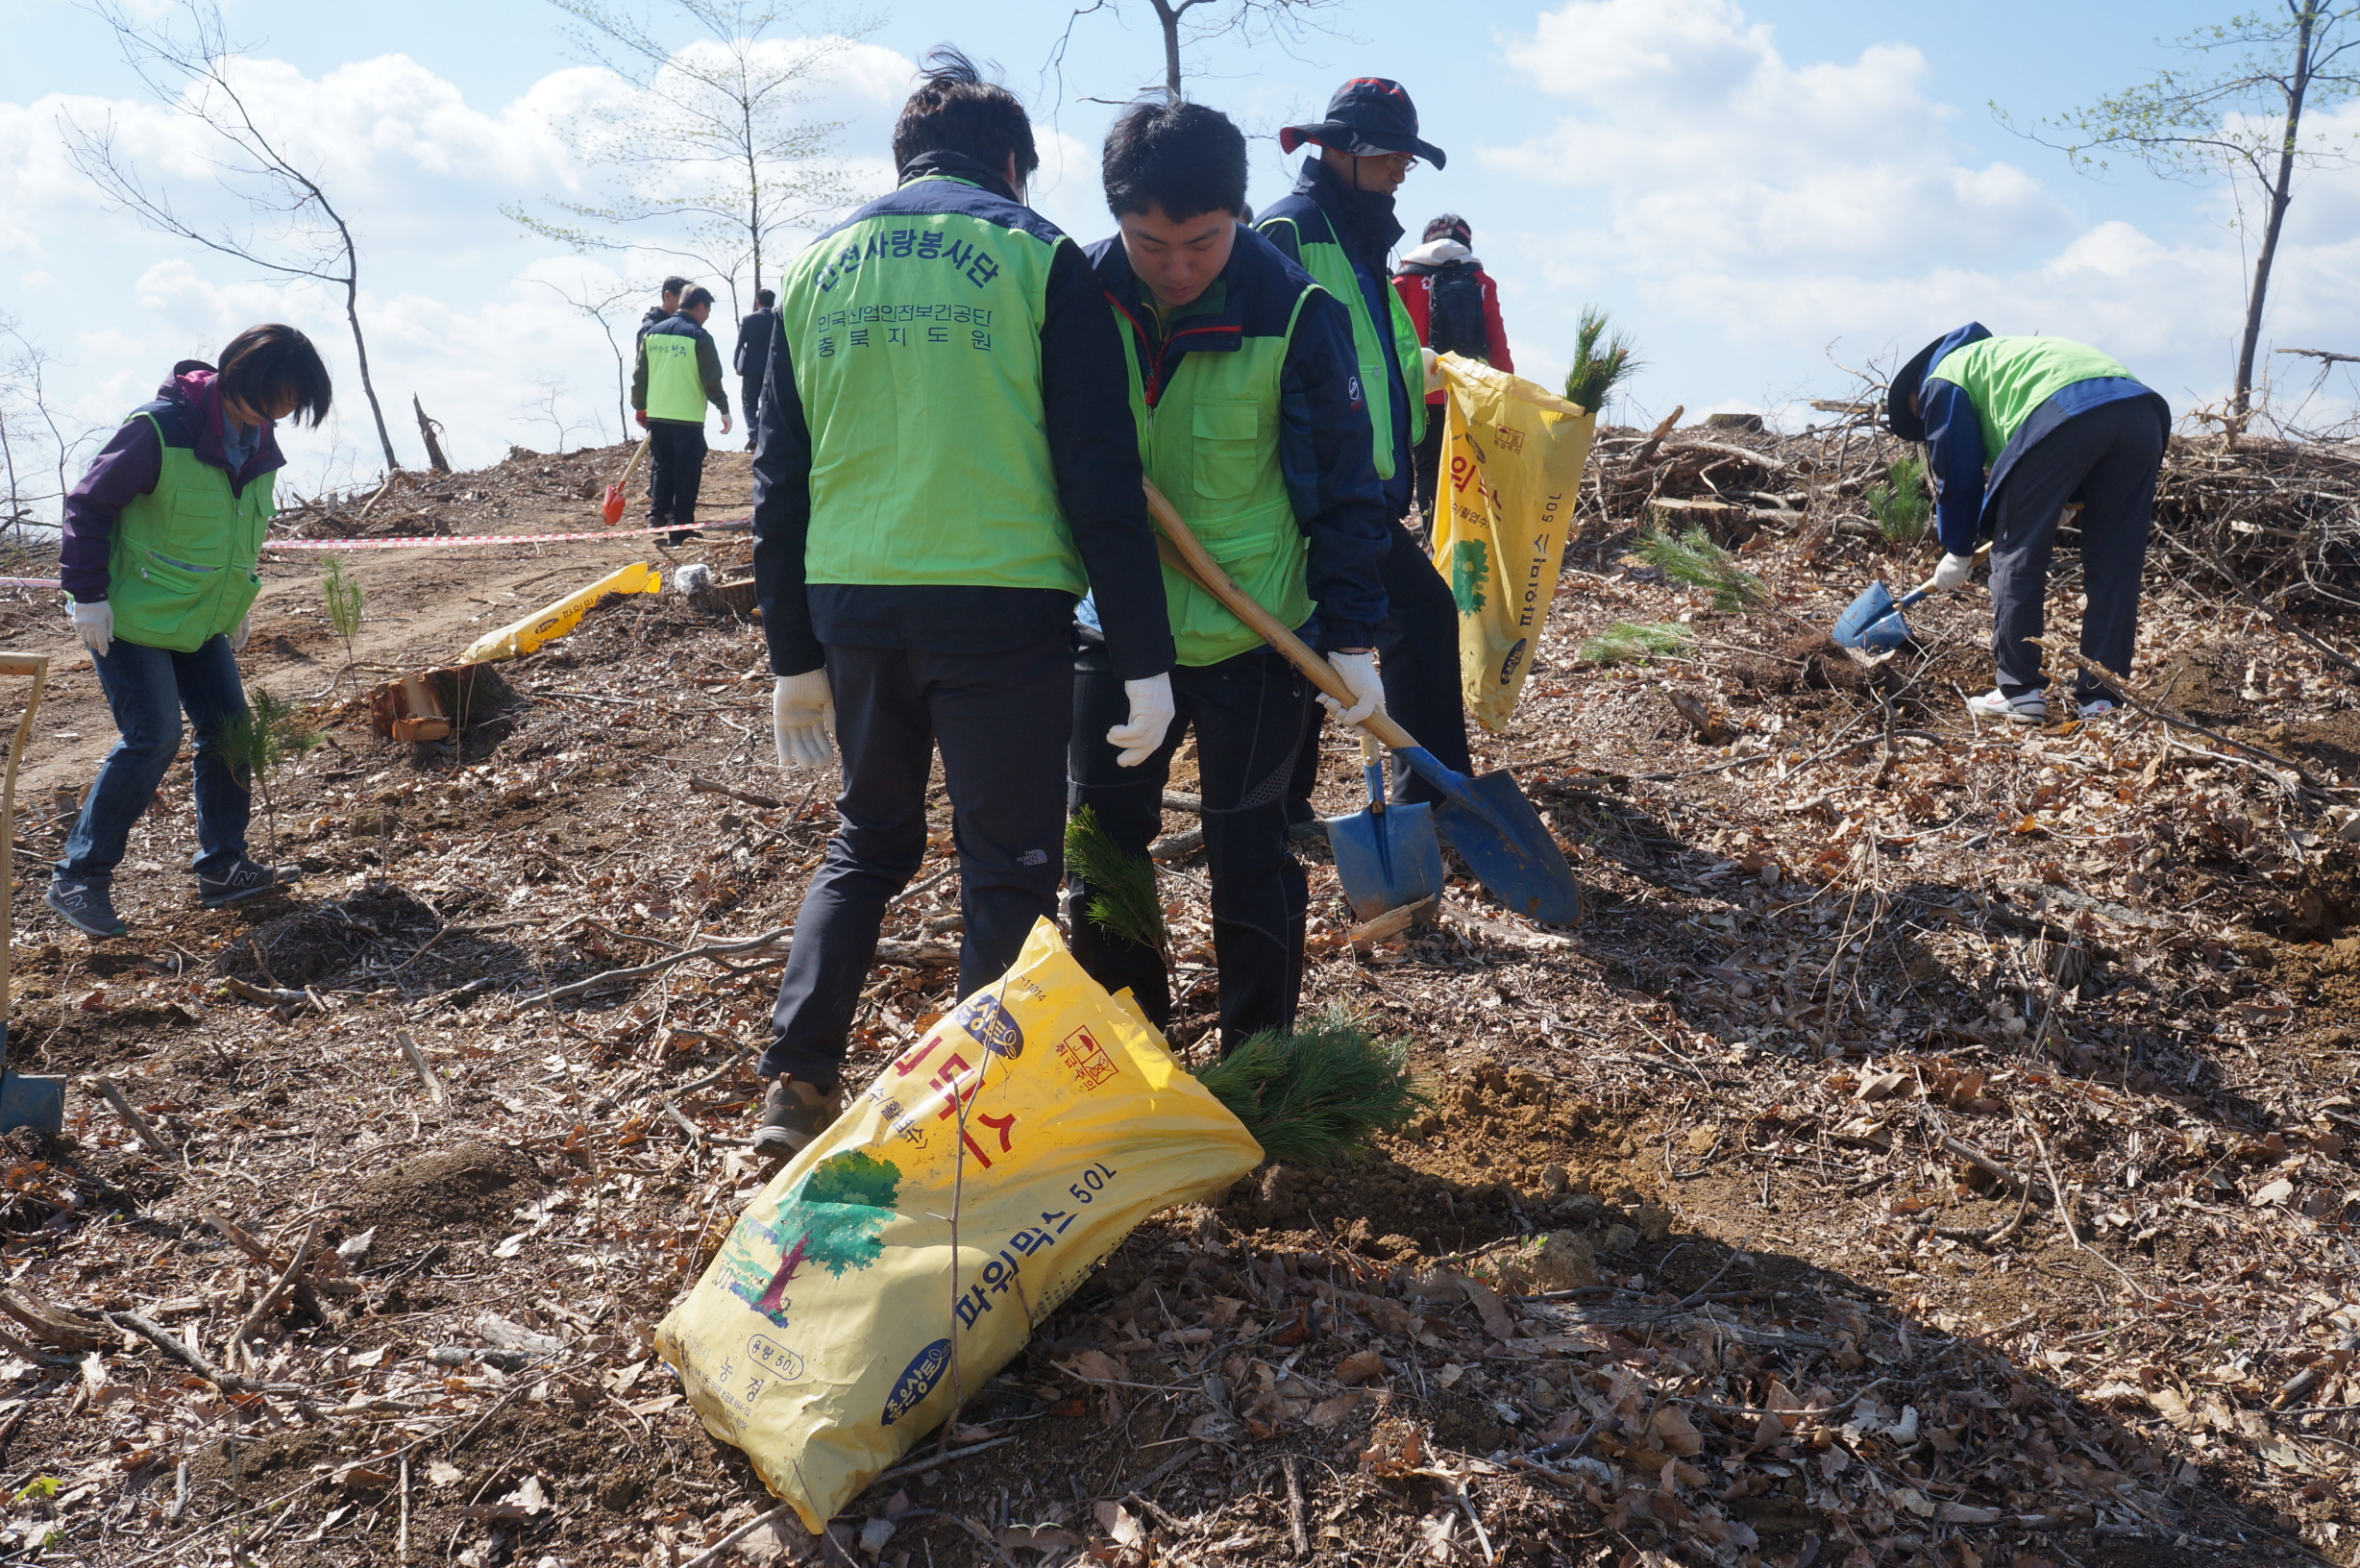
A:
x: 753, y: 355
x: 1455, y: 307
x: 677, y: 373
x: 666, y: 306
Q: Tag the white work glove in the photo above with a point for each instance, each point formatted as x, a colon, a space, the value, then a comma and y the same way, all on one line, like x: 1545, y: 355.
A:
x: 244, y: 630
x: 1953, y: 571
x: 94, y: 625
x: 1359, y: 672
x: 1433, y: 370
x: 802, y: 712
x: 1152, y: 714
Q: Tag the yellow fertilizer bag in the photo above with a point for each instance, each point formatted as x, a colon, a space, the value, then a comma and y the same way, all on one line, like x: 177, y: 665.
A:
x: 1512, y: 470
x: 906, y: 1255
x: 547, y: 626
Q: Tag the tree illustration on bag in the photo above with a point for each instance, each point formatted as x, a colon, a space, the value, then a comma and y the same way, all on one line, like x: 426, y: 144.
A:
x: 837, y: 1218
x: 1470, y: 564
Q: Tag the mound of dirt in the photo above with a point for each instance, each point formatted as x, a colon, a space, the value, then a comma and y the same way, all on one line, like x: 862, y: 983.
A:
x: 321, y: 941
x: 465, y: 1191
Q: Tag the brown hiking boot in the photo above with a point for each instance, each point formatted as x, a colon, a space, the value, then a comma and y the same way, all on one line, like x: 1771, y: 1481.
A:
x: 793, y: 1113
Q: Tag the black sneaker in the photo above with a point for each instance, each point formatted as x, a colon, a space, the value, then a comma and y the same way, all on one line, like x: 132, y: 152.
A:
x: 244, y: 880
x: 793, y: 1113
x: 681, y: 537
x: 87, y: 905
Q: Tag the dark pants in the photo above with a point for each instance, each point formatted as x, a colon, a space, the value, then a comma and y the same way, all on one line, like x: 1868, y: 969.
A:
x: 1427, y: 456
x: 675, y: 470
x: 148, y: 688
x: 2105, y: 458
x: 1417, y: 659
x: 1001, y: 721
x: 1248, y: 713
x: 749, y: 406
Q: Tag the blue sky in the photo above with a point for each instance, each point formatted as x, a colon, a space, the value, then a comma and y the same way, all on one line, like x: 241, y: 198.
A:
x: 1758, y: 191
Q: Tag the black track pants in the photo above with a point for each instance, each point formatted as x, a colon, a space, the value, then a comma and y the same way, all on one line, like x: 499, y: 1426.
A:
x: 675, y: 470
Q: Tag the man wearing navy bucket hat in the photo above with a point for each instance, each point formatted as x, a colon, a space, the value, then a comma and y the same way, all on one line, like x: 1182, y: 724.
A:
x: 1339, y: 224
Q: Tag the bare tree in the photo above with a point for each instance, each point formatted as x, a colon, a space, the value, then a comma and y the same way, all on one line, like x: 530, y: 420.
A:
x: 31, y: 441
x: 595, y: 301
x: 1189, y: 23
x: 547, y: 409
x: 2242, y: 120
x: 710, y: 156
x: 192, y: 69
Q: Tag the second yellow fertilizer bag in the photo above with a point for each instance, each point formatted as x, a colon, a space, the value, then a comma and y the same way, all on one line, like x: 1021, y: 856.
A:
x: 845, y: 1316
x: 1512, y: 470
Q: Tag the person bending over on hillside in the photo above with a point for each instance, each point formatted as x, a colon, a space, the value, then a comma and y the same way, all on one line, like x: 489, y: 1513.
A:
x: 677, y: 373
x: 753, y: 357
x: 2054, y: 422
x: 946, y: 462
x: 158, y: 555
x: 1455, y: 307
x: 1252, y: 423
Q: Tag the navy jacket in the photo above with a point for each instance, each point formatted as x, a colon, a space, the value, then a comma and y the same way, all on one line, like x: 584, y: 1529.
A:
x: 1955, y: 439
x: 1094, y: 449
x: 189, y: 408
x: 1362, y: 223
x: 753, y: 343
x: 1324, y: 444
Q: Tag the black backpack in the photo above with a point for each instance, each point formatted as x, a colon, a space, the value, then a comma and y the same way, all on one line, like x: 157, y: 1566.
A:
x: 1455, y: 311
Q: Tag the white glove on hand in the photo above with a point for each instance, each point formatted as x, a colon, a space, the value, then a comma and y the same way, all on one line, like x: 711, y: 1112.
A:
x: 1953, y: 571
x: 803, y: 713
x: 1433, y: 370
x: 1151, y: 715
x: 237, y: 638
x: 1359, y: 672
x: 94, y: 623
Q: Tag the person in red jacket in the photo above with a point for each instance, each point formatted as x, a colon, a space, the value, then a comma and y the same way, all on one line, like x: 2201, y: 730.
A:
x: 1456, y: 308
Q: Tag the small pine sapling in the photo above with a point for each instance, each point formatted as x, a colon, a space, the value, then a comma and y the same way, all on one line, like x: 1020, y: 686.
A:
x: 1694, y: 560
x: 1628, y: 640
x: 343, y: 593
x: 1318, y: 1095
x: 1123, y: 894
x: 273, y: 732
x: 1601, y: 360
x: 1901, y: 503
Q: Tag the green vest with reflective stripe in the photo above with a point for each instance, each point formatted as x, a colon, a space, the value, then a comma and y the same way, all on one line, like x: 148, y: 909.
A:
x: 1211, y: 445
x: 1332, y: 269
x: 915, y: 345
x: 675, y: 387
x: 181, y: 565
x: 2007, y: 377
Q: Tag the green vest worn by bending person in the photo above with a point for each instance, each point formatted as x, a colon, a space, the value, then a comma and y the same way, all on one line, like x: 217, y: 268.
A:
x: 181, y: 565
x: 915, y: 336
x: 2007, y: 377
x: 1209, y: 441
x: 1317, y: 249
x: 676, y: 385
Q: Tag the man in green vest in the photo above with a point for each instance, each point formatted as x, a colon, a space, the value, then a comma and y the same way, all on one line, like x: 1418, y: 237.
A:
x: 1252, y: 423
x: 158, y: 555
x: 2054, y: 422
x: 946, y: 462
x: 1339, y: 223
x: 677, y: 373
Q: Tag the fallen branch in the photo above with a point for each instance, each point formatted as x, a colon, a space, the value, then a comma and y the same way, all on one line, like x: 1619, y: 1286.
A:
x: 721, y: 1549
x: 424, y: 1068
x: 1985, y: 1164
x: 713, y: 786
x: 245, y: 1242
x: 1294, y: 1509
x: 174, y: 1350
x: 279, y: 1286
x: 1654, y: 438
x: 132, y: 1118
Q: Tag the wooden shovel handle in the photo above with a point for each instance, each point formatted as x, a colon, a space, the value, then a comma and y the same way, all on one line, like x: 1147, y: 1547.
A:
x: 1180, y: 548
x: 637, y: 452
x: 1981, y: 551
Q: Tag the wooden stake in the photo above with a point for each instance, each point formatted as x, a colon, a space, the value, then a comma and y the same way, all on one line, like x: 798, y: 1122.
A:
x: 424, y: 1068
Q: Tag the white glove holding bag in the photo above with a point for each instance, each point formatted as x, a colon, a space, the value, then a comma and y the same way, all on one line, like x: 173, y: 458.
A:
x: 1359, y: 672
x: 802, y: 714
x: 1432, y: 363
x: 1953, y: 571
x: 94, y: 625
x: 1151, y: 715
x: 244, y: 630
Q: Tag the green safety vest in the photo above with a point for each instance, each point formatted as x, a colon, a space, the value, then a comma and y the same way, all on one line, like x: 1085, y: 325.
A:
x: 2007, y: 377
x: 182, y: 565
x: 1332, y: 270
x: 915, y: 339
x: 675, y: 387
x: 1211, y: 445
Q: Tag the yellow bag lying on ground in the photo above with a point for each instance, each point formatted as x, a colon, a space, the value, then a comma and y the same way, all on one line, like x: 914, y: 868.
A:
x: 1512, y: 470
x: 548, y: 625
x: 834, y: 1325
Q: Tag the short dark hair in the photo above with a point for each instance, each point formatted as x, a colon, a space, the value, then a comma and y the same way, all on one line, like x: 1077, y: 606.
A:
x: 1450, y: 225
x: 1183, y: 157
x: 956, y: 111
x: 264, y: 366
x: 674, y: 285
x: 696, y: 297
x: 763, y: 298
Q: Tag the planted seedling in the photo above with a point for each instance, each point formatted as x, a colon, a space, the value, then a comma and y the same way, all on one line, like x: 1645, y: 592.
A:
x: 273, y: 732
x: 1901, y: 503
x: 1627, y: 640
x: 344, y: 596
x: 1694, y: 560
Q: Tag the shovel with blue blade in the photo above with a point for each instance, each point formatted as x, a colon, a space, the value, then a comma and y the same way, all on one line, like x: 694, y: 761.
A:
x: 1874, y: 624
x: 25, y: 1100
x: 1387, y: 856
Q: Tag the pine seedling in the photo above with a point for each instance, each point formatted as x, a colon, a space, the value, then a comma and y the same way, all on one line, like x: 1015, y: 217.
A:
x: 1627, y: 640
x: 1901, y: 503
x: 1601, y: 360
x: 1316, y: 1097
x: 1694, y: 560
x: 273, y: 732
x: 1123, y: 899
x: 343, y: 593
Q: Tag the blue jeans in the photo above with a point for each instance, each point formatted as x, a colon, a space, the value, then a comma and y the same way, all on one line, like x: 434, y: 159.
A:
x: 147, y: 687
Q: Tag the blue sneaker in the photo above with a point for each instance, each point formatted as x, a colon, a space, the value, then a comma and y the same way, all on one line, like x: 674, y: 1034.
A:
x: 244, y: 880
x: 87, y: 905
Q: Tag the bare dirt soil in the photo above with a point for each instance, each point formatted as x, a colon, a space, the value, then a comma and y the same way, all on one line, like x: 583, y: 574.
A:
x: 1934, y: 1146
